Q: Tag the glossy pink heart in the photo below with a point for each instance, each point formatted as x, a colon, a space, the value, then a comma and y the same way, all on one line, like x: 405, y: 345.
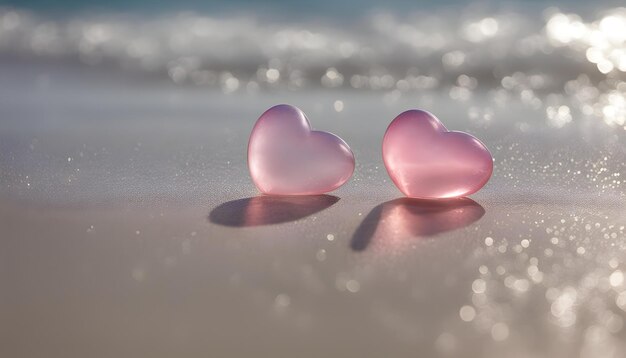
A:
x: 427, y: 161
x: 286, y: 157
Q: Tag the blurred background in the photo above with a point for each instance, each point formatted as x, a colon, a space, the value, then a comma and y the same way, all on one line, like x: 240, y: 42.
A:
x: 129, y: 225
x: 518, y: 48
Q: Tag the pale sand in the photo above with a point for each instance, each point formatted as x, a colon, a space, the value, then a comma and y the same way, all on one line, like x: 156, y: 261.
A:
x: 112, y: 245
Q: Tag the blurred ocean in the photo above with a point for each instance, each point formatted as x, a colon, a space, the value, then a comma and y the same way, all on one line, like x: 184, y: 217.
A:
x: 565, y: 61
x: 323, y: 8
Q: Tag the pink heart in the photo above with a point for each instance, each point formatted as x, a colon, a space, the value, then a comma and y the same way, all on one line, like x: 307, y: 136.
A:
x: 427, y: 161
x: 286, y: 157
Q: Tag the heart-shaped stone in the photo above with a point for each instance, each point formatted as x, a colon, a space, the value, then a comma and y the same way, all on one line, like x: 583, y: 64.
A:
x: 286, y: 157
x: 427, y: 161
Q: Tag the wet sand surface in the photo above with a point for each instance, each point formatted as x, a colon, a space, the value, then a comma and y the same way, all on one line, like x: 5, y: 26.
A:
x: 130, y: 227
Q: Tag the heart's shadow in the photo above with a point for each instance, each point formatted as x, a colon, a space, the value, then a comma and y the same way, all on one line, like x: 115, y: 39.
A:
x: 267, y: 210
x: 406, y: 218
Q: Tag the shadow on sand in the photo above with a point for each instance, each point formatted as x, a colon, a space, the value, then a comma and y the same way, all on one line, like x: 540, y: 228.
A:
x: 267, y: 210
x: 406, y: 218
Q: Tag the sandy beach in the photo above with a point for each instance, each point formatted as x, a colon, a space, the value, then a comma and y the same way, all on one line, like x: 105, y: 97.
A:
x: 130, y: 227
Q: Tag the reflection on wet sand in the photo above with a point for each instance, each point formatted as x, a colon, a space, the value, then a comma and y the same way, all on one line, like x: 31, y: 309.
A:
x: 405, y: 218
x: 267, y: 210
